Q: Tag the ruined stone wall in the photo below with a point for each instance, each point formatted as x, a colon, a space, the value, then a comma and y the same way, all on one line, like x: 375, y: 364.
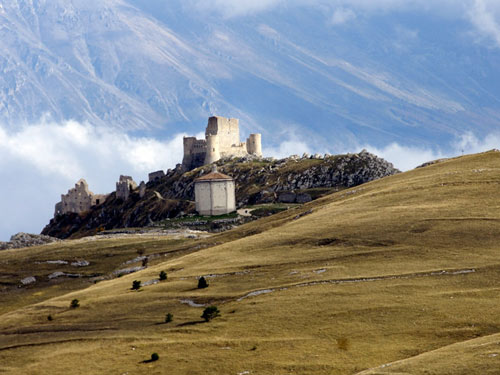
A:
x: 153, y: 176
x: 195, y: 151
x: 78, y: 199
x: 124, y: 186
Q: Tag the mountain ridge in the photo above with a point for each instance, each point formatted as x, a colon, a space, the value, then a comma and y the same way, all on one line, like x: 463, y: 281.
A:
x: 155, y: 69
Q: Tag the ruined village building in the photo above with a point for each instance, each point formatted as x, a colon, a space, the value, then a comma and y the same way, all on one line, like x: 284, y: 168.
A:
x: 222, y: 139
x: 214, y: 194
x: 78, y: 199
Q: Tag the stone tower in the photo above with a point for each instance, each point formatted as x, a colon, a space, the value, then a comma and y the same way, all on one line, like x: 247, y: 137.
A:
x: 213, y: 149
x: 222, y: 139
x: 254, y: 145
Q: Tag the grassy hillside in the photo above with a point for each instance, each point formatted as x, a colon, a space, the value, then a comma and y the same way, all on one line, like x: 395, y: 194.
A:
x: 405, y: 269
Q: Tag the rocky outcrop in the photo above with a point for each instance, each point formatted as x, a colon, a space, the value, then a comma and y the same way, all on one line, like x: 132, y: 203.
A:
x: 258, y: 180
x: 21, y: 239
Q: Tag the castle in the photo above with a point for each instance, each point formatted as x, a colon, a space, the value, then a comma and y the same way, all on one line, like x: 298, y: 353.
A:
x: 222, y: 139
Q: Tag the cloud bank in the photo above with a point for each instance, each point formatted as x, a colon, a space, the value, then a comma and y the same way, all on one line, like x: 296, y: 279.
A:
x: 39, y: 162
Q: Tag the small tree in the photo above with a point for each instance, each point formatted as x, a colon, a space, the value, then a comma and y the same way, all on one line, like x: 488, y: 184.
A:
x: 169, y: 317
x: 202, y: 283
x: 154, y: 357
x: 74, y: 304
x: 163, y: 276
x: 136, y: 285
x: 210, y: 313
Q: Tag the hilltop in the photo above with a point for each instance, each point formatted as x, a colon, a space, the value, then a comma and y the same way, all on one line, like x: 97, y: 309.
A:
x: 399, y: 275
x: 293, y: 180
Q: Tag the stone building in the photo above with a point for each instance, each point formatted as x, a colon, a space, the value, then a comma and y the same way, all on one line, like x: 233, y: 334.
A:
x: 78, y: 199
x: 142, y: 189
x: 155, y: 176
x: 124, y: 186
x: 222, y: 139
x: 215, y: 194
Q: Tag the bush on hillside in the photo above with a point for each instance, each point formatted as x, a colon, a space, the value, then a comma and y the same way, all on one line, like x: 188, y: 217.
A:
x: 154, y: 357
x: 202, y: 283
x: 136, y: 285
x: 163, y: 276
x: 210, y: 313
x: 169, y: 317
x: 74, y: 304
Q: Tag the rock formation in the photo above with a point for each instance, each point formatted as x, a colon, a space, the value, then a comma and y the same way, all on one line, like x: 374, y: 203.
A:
x: 294, y: 179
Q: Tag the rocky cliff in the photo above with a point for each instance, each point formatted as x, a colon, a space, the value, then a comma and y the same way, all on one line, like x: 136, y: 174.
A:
x: 258, y: 181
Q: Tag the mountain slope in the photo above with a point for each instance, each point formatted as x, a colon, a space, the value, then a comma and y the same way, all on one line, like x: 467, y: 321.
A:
x: 399, y: 267
x: 162, y: 68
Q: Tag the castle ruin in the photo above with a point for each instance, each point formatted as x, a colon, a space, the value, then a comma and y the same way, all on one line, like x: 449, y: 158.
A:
x: 124, y: 186
x: 222, y: 139
x: 78, y: 199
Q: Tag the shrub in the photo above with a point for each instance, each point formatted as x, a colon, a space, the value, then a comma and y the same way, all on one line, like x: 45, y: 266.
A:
x: 50, y: 318
x: 136, y: 285
x: 202, y: 283
x: 140, y: 251
x: 169, y: 317
x: 163, y: 276
x: 210, y: 313
x: 145, y: 262
x: 74, y: 304
x: 154, y: 357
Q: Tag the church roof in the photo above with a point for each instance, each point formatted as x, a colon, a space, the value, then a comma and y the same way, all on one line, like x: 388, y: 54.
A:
x: 214, y: 175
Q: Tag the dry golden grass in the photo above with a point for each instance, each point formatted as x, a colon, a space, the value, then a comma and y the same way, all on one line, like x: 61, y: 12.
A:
x: 402, y: 269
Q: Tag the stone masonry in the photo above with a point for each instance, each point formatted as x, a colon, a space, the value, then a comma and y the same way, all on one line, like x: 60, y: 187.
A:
x: 78, y: 199
x: 124, y: 186
x: 222, y: 139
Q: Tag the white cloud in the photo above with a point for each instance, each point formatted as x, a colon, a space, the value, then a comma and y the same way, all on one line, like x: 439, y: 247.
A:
x: 342, y: 15
x: 404, y: 157
x: 41, y: 161
x: 484, y: 15
x: 286, y: 148
x: 409, y: 157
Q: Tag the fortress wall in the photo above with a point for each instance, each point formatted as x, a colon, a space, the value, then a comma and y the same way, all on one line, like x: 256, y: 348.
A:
x: 156, y: 175
x: 98, y: 199
x: 236, y: 150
